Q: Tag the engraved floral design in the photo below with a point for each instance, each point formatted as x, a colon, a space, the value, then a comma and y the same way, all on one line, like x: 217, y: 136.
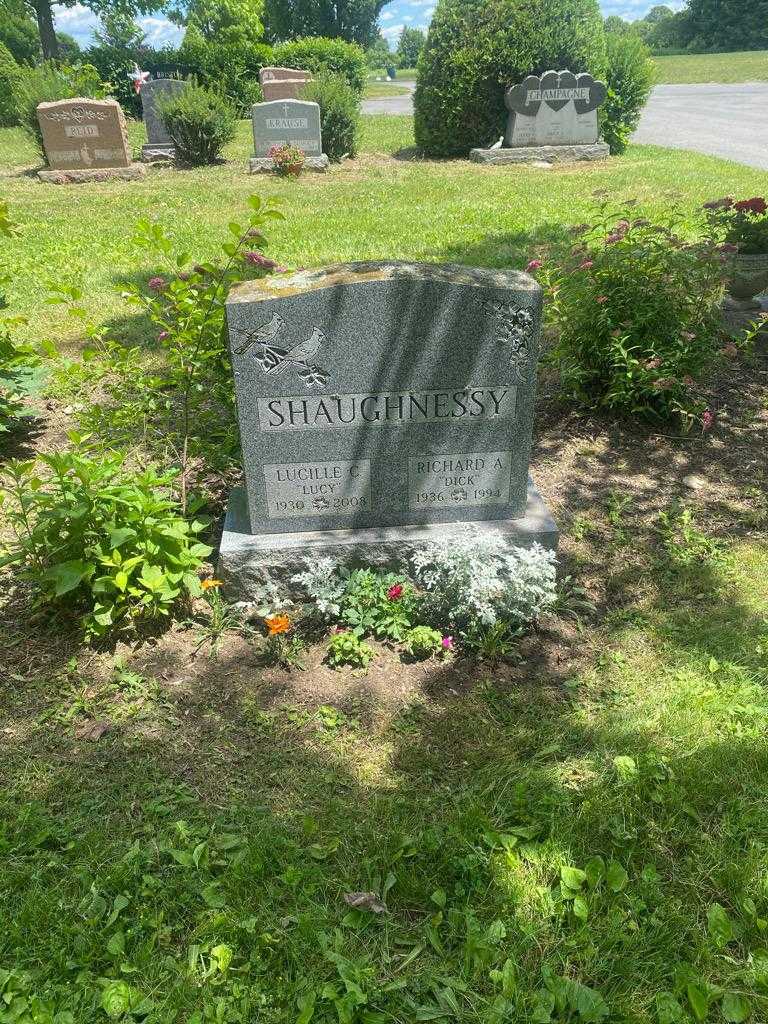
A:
x: 514, y: 332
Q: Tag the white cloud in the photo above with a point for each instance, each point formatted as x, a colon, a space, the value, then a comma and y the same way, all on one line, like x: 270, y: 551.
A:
x: 161, y: 32
x: 392, y: 30
x: 80, y: 22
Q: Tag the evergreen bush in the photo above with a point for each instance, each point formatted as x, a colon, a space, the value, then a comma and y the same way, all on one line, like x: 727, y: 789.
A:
x: 200, y: 122
x: 476, y: 48
x: 334, y: 56
x: 339, y: 114
x: 9, y: 72
x: 629, y: 78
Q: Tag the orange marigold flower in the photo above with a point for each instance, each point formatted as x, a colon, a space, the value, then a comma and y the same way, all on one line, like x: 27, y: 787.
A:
x: 278, y: 624
x: 209, y: 584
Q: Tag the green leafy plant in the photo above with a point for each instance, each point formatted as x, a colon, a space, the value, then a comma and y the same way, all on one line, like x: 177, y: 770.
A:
x: 109, y: 541
x: 288, y: 160
x: 685, y: 546
x: 493, y: 642
x: 16, y: 358
x: 377, y: 604
x: 637, y: 310
x: 740, y: 223
x: 563, y: 999
x: 346, y: 648
x: 9, y: 72
x: 283, y: 646
x: 320, y: 55
x: 423, y: 642
x: 200, y: 122
x: 629, y: 78
x: 185, y: 303
x: 339, y: 114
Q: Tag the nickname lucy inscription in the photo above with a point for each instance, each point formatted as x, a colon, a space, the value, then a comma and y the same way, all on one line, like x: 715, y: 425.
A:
x: 451, y: 481
x: 318, y: 488
x: 325, y: 412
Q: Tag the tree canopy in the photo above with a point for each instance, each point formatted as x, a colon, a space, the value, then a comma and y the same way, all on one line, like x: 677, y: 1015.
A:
x: 409, y: 47
x: 223, y: 21
x: 353, y: 20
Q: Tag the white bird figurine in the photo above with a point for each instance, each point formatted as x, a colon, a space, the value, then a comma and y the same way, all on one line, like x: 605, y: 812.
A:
x: 497, y: 145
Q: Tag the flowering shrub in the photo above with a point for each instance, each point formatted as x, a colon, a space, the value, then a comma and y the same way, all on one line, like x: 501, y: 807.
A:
x: 110, y: 541
x: 288, y: 160
x: 370, y: 603
x: 743, y: 224
x: 638, y: 315
x: 484, y: 580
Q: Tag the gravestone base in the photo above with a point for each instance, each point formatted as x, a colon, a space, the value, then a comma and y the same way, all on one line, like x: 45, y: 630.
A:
x: 247, y: 560
x: 159, y: 151
x: 541, y: 154
x: 79, y: 175
x: 266, y: 165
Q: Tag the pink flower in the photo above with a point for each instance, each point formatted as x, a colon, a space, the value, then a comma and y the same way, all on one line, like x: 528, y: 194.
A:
x: 689, y: 381
x: 652, y: 364
x: 156, y: 283
x: 757, y: 205
x: 533, y: 265
x: 395, y: 592
x: 615, y: 236
x: 707, y: 419
x: 258, y: 259
x: 254, y: 233
x: 719, y: 204
x: 280, y: 269
x: 447, y: 643
x: 601, y: 299
x: 163, y: 335
x: 623, y: 226
x: 586, y: 265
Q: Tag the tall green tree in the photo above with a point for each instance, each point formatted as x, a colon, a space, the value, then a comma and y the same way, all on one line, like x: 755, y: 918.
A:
x: 222, y: 21
x: 726, y: 24
x: 42, y: 12
x: 409, y: 47
x: 353, y: 20
x: 18, y: 32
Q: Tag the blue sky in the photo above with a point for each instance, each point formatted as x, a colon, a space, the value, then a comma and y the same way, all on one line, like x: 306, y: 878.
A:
x: 80, y: 22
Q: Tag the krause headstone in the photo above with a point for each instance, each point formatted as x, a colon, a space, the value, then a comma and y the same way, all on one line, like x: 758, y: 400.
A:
x: 381, y: 405
x: 551, y: 118
x: 287, y: 122
x: 282, y: 83
x: 159, y: 145
x: 85, y: 139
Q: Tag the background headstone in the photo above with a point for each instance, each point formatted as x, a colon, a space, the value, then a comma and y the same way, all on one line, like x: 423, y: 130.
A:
x: 84, y: 134
x: 384, y: 404
x: 282, y: 83
x: 291, y: 122
x: 557, y: 109
x: 159, y: 144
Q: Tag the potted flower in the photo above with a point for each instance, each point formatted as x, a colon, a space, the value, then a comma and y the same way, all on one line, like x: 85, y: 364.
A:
x: 742, y: 228
x: 288, y: 160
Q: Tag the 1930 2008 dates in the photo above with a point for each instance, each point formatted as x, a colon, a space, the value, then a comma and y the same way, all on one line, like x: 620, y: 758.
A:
x: 321, y: 505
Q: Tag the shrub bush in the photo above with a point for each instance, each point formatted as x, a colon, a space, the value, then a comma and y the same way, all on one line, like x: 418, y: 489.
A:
x: 48, y: 82
x: 200, y: 122
x: 9, y: 72
x: 108, y: 540
x: 476, y: 48
x: 629, y: 78
x: 16, y: 357
x: 113, y: 64
x: 232, y: 69
x: 339, y: 114
x: 317, y: 55
x: 638, y: 315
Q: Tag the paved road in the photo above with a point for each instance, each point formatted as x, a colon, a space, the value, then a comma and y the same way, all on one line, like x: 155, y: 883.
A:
x: 730, y: 121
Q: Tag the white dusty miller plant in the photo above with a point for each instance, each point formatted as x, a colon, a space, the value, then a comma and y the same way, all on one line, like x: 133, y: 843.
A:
x: 485, y: 579
x: 324, y: 585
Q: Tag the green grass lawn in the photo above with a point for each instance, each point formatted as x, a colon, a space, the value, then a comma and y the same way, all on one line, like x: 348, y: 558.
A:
x: 374, y: 90
x: 749, y: 66
x: 578, y: 836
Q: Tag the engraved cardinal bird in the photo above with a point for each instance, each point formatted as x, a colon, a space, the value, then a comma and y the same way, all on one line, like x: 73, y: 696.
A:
x: 274, y: 359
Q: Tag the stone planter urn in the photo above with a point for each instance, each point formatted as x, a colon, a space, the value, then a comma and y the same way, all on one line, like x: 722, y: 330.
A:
x: 748, y: 278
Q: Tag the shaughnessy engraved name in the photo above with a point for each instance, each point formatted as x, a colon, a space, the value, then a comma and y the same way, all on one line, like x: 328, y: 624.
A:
x: 328, y: 412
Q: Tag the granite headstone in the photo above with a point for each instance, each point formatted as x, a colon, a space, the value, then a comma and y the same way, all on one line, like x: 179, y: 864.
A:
x: 287, y: 122
x: 282, y: 83
x: 84, y: 134
x: 159, y: 144
x: 381, y: 404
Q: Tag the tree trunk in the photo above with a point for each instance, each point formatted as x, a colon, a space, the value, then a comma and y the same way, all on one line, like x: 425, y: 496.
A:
x: 48, y: 39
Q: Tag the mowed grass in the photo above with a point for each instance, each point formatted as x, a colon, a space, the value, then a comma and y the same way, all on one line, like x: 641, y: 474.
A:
x: 747, y: 66
x: 385, y: 205
x: 200, y: 853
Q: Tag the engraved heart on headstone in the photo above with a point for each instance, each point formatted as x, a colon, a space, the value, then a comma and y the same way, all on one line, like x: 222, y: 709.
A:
x: 557, y: 80
x: 597, y: 93
x: 516, y: 97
